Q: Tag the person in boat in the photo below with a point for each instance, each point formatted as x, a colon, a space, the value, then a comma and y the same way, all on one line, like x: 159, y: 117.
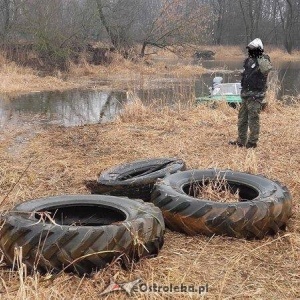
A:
x: 254, y: 86
x: 216, y: 85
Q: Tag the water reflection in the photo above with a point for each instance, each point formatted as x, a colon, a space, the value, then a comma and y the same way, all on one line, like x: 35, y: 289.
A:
x: 72, y: 108
x: 289, y: 77
x: 62, y: 108
x: 287, y: 73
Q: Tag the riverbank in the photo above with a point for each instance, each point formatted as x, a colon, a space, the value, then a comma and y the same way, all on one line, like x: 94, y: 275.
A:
x: 56, y: 161
x: 120, y: 73
x: 16, y: 80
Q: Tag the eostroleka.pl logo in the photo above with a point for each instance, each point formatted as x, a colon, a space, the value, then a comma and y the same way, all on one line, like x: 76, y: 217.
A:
x: 127, y: 287
x: 138, y: 286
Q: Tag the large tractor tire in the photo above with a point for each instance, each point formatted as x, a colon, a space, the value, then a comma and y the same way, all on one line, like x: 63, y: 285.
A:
x: 135, y: 179
x: 81, y: 233
x: 264, y: 206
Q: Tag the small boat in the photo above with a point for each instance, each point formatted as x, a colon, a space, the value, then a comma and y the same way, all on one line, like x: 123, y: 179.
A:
x: 229, y: 92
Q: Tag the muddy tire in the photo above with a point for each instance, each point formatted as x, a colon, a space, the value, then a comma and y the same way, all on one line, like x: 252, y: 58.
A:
x: 135, y: 179
x: 84, y: 234
x: 264, y: 206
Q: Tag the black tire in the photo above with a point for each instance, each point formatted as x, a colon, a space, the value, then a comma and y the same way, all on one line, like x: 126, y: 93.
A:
x: 90, y: 231
x: 264, y: 207
x: 135, y: 179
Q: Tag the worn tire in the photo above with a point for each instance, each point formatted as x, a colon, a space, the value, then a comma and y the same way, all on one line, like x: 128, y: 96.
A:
x: 80, y: 241
x: 135, y: 179
x: 264, y: 208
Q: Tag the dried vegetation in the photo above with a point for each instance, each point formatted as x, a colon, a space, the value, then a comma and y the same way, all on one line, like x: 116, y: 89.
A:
x: 120, y: 73
x: 217, y: 190
x: 57, y: 160
x: 176, y: 63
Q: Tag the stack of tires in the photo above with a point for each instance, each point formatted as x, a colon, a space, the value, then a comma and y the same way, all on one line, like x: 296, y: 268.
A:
x: 264, y: 206
x: 84, y: 233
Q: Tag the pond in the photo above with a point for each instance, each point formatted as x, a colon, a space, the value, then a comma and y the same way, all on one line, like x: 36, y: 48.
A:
x: 68, y: 108
x: 79, y: 107
x: 287, y: 73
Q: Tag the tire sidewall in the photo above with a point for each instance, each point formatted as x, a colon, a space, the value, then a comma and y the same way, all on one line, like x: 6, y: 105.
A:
x: 173, y: 165
x: 132, y: 209
x: 173, y: 185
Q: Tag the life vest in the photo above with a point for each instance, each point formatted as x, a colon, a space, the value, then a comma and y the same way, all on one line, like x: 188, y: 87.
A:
x: 252, y: 78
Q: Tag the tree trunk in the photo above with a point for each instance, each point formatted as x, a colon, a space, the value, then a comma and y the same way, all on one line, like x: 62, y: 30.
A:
x: 6, y: 13
x: 220, y: 21
x: 245, y: 22
x: 114, y: 37
x: 288, y: 40
x: 287, y: 20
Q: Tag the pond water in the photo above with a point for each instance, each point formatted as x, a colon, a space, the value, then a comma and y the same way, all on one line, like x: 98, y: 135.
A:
x: 75, y: 107
x: 68, y: 108
x: 287, y: 74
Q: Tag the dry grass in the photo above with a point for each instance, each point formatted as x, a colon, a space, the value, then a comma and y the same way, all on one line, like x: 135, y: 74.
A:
x: 281, y: 55
x: 235, y: 52
x: 229, y: 52
x: 16, y: 79
x: 57, y: 161
x: 221, y: 52
x: 217, y: 190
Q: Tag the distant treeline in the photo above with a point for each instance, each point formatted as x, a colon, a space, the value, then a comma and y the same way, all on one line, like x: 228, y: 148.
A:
x: 58, y: 28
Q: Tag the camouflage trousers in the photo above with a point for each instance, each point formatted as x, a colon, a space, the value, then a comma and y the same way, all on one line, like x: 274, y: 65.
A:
x: 248, y: 118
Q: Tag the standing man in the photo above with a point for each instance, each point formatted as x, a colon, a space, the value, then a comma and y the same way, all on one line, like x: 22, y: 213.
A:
x: 254, y: 85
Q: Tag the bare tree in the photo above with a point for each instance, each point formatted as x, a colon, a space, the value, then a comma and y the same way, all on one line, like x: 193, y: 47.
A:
x: 289, y: 17
x: 252, y: 14
x: 219, y: 9
x: 8, y: 11
x: 118, y: 18
x: 176, y: 22
x: 55, y: 27
x: 5, y: 9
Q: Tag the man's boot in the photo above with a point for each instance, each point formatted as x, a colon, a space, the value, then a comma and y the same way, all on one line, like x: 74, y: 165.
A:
x: 251, y: 145
x: 236, y: 143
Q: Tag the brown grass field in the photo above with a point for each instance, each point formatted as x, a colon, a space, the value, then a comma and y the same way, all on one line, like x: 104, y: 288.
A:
x: 38, y: 162
x: 56, y: 161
